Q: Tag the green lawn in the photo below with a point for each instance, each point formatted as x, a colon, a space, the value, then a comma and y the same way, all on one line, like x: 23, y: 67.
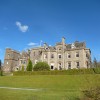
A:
x: 50, y: 87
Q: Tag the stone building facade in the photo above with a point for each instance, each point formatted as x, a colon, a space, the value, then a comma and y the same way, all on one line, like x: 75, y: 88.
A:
x: 62, y: 56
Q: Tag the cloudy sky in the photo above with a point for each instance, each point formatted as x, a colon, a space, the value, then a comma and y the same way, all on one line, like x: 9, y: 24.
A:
x: 28, y: 23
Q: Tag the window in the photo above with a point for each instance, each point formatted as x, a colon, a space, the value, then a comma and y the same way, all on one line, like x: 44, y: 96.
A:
x: 69, y: 65
x: 52, y: 55
x: 69, y: 55
x: 17, y: 69
x: 87, y: 56
x: 8, y: 55
x: 24, y: 62
x: 59, y: 65
x: 59, y: 56
x: 21, y: 61
x: 59, y: 48
x: 77, y: 64
x: 51, y: 67
x: 77, y: 54
x: 7, y: 62
x: 45, y: 56
x: 34, y: 53
x: 87, y: 64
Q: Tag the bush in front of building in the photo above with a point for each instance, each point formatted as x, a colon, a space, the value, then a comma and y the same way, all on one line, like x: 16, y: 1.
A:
x: 29, y: 66
x: 22, y: 68
x: 1, y: 73
x: 41, y: 66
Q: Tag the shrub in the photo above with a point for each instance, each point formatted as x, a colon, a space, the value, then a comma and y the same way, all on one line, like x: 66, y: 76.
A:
x: 96, y: 70
x: 41, y: 66
x: 22, y: 67
x: 1, y: 73
x: 92, y: 94
x: 29, y: 66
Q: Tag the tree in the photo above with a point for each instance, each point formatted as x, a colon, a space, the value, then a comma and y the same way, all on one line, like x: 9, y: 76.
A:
x: 0, y: 64
x: 1, y: 71
x: 29, y: 66
x: 95, y: 63
x: 41, y: 66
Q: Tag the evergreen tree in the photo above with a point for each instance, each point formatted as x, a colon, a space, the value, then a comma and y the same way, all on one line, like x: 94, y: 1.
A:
x: 95, y: 63
x: 29, y: 66
x: 0, y: 63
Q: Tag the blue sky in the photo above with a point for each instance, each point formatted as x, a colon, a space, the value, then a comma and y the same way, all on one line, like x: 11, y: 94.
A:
x: 24, y: 23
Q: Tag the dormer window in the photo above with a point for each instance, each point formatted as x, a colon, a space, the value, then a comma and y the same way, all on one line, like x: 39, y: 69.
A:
x: 73, y: 46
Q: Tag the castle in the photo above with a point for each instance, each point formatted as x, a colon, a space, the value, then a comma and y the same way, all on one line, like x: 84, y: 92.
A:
x: 62, y: 56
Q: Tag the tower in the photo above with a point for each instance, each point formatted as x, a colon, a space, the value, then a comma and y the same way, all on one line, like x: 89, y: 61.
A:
x: 11, y: 60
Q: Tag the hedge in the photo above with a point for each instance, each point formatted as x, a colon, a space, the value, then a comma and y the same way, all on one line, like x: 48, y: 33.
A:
x: 60, y: 72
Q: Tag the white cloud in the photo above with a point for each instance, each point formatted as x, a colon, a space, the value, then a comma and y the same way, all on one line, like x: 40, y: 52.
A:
x: 22, y: 28
x: 32, y: 44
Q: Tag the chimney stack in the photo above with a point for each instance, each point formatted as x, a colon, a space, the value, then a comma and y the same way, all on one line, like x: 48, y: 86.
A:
x: 63, y: 40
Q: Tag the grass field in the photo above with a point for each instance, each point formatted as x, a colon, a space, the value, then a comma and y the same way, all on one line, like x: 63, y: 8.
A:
x: 48, y: 87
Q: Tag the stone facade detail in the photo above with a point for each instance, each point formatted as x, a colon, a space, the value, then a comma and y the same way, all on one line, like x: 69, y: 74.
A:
x: 62, y: 56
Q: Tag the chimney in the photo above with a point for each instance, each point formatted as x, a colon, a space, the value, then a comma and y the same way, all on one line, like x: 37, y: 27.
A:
x: 63, y: 40
x: 45, y: 45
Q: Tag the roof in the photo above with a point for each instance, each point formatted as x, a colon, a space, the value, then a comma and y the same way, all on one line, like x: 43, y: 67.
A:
x: 76, y: 44
x: 59, y: 43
